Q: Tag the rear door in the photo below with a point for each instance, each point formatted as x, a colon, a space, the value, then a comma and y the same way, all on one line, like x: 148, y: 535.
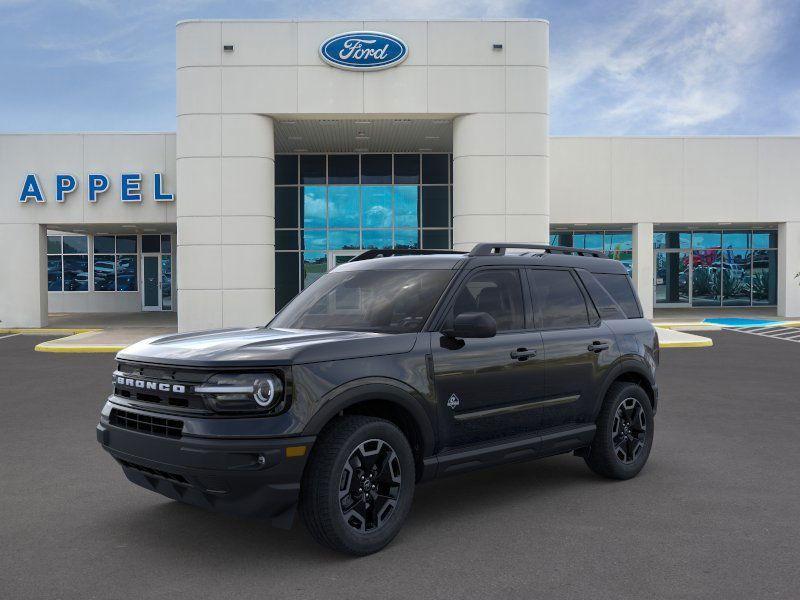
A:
x: 486, y: 388
x: 579, y: 348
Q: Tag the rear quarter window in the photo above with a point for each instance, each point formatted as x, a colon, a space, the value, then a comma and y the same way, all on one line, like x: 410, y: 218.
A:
x: 619, y: 286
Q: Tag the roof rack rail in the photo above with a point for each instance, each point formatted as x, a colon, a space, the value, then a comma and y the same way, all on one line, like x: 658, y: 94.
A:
x: 499, y: 248
x: 375, y: 253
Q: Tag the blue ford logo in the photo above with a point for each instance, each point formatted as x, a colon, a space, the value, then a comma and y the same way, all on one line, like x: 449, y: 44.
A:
x: 363, y: 50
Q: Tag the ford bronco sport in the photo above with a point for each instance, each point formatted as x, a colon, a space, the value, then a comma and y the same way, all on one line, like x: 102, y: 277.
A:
x: 395, y: 368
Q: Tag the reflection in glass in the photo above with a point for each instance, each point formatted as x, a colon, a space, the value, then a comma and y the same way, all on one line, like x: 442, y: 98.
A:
x: 312, y: 168
x: 672, y: 278
x: 286, y: 239
x: 126, y: 244
x: 765, y: 277
x: 126, y: 274
x: 706, y: 277
x: 706, y: 239
x: 314, y: 239
x: 315, y: 265
x: 736, y: 239
x: 765, y: 239
x: 377, y: 206
x: 104, y: 244
x: 736, y: 278
x: 343, y: 239
x: 76, y: 273
x: 287, y: 269
x: 434, y: 206
x: 166, y: 244
x: 313, y: 207
x: 672, y: 239
x: 54, y: 280
x: 435, y: 239
x: 406, y: 206
x: 617, y: 241
x: 406, y: 238
x: 343, y: 168
x: 377, y: 238
x: 151, y: 243
x: 75, y: 244
x: 406, y: 168
x: 562, y: 239
x: 54, y: 244
x: 376, y: 168
x: 166, y: 282
x: 104, y: 272
x: 343, y: 206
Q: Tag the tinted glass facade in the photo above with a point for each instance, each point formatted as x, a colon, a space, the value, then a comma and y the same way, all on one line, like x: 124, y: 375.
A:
x: 329, y: 207
x: 618, y: 244
x: 716, y: 267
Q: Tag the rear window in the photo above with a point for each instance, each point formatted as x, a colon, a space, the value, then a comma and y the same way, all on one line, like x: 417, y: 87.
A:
x: 621, y: 290
x: 606, y: 305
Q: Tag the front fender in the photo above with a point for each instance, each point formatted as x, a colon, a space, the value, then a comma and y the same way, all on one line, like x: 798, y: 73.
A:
x: 374, y: 388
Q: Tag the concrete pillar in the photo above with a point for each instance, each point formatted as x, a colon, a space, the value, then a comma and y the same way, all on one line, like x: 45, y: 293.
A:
x: 23, y: 273
x: 788, y: 267
x: 226, y: 222
x: 642, y: 274
x: 501, y: 189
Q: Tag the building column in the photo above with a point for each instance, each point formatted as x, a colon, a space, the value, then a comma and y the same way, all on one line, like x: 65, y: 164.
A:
x: 642, y: 274
x: 501, y: 190
x: 788, y: 267
x: 23, y: 301
x: 226, y: 222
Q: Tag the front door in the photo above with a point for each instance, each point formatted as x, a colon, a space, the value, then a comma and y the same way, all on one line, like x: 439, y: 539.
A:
x: 487, y: 388
x: 151, y: 282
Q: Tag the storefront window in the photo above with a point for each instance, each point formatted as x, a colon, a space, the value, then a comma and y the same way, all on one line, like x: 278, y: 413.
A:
x: 333, y: 206
x: 116, y: 270
x: 718, y: 268
x: 67, y: 263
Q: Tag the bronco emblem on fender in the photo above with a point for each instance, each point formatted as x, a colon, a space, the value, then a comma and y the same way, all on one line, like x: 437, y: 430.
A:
x: 453, y: 401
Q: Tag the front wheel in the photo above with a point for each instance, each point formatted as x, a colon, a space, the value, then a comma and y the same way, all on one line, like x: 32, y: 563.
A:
x: 624, y: 434
x: 358, y: 487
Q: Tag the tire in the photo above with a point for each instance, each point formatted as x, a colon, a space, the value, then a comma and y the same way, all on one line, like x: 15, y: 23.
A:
x: 624, y: 435
x: 351, y: 521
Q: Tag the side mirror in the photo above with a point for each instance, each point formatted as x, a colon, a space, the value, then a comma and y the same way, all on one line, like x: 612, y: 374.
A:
x: 472, y: 325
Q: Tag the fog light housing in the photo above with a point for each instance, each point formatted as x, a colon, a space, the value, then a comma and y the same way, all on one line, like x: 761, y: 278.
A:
x: 242, y: 392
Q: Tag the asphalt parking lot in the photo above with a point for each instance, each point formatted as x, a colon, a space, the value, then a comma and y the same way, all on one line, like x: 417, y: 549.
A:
x: 715, y: 514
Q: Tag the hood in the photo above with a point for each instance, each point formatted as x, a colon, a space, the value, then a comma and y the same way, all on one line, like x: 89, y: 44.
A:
x: 264, y: 347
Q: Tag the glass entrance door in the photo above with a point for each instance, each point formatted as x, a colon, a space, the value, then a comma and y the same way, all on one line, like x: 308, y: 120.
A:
x: 151, y: 282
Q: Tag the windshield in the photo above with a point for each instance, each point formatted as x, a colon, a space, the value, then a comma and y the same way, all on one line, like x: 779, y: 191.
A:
x: 396, y: 301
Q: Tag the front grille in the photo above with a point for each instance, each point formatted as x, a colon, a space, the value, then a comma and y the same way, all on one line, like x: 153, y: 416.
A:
x: 170, y: 428
x: 141, y: 383
x: 157, y: 472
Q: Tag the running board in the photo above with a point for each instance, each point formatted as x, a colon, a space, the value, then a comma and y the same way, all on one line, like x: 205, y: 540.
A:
x: 539, y: 445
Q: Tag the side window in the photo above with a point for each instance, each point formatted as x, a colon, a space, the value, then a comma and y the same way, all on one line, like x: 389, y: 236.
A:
x: 609, y: 309
x: 559, y: 299
x: 621, y: 290
x: 497, y: 292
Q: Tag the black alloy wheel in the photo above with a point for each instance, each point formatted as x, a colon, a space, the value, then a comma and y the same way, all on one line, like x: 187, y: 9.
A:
x: 629, y: 432
x: 370, y: 485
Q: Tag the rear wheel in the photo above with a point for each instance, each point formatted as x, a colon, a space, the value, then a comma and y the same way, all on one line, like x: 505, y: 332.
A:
x: 358, y: 486
x: 624, y: 434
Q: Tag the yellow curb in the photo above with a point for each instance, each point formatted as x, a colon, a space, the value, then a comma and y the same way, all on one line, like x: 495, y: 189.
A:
x: 45, y: 347
x: 46, y: 331
x: 704, y: 343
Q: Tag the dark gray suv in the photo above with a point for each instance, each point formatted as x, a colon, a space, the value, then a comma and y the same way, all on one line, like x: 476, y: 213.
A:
x: 395, y: 368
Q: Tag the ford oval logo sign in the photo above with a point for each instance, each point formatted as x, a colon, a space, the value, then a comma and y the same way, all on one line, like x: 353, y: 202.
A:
x: 363, y: 50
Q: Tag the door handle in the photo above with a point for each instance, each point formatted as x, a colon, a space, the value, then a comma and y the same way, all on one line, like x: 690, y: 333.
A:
x: 597, y: 346
x: 522, y: 353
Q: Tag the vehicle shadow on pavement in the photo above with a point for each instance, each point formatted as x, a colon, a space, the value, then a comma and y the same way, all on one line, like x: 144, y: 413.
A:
x: 452, y: 502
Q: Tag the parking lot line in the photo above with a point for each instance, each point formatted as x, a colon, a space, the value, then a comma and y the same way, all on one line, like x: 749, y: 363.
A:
x: 2, y: 337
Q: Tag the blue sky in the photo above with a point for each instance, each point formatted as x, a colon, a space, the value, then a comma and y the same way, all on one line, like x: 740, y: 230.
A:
x: 617, y: 67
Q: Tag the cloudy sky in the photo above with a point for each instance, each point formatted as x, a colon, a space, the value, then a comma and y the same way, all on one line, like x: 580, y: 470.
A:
x: 617, y: 67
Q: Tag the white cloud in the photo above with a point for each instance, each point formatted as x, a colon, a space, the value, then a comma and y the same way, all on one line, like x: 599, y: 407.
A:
x: 669, y: 66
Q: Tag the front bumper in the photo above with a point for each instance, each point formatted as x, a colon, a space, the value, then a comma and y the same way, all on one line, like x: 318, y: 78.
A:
x: 244, y: 477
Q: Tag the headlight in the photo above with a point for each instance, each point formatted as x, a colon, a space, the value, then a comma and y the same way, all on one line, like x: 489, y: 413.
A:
x: 242, y: 392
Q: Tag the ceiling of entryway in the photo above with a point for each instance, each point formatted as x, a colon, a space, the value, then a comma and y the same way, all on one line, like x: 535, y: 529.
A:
x: 363, y: 135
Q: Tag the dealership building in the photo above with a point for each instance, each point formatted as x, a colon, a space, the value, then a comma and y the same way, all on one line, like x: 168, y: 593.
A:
x: 300, y: 144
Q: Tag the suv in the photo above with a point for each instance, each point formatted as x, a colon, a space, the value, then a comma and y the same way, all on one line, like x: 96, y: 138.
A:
x: 397, y: 367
